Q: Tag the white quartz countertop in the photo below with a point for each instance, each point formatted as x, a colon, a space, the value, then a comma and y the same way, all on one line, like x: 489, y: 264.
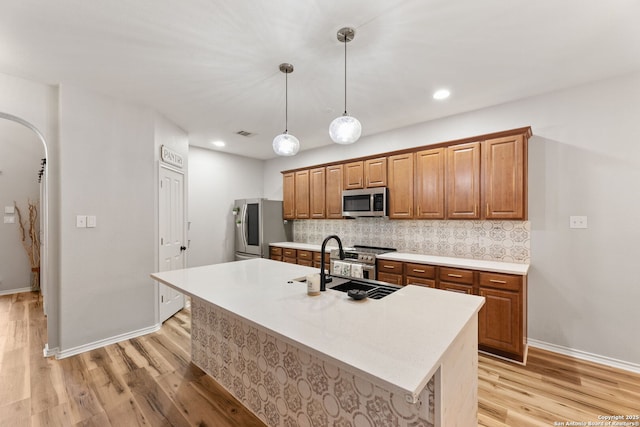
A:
x: 303, y: 246
x: 475, y: 264
x: 399, y: 340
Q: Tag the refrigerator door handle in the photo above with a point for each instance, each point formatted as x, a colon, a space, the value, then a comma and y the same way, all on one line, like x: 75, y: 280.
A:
x: 244, y: 226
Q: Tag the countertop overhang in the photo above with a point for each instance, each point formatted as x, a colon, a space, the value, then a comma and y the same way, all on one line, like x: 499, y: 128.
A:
x: 399, y: 340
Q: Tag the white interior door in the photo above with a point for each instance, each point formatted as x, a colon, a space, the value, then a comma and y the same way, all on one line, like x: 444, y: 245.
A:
x: 172, y: 237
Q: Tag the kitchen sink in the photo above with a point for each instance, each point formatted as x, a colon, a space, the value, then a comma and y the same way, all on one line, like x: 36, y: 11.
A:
x: 374, y: 291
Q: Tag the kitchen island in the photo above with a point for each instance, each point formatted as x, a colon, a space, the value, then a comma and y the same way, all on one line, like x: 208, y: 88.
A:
x: 407, y: 359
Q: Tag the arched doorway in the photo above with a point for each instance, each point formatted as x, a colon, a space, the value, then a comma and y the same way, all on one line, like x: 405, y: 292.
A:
x: 43, y: 203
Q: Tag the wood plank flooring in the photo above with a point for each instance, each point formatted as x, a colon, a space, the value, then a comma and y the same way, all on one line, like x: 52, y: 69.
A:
x: 148, y: 381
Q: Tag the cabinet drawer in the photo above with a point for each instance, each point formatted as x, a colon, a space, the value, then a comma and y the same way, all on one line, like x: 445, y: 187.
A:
x: 307, y: 255
x: 429, y: 283
x: 390, y: 266
x: 420, y: 270
x: 290, y: 260
x: 456, y: 275
x: 275, y: 250
x: 276, y: 257
x: 501, y: 281
x: 395, y: 279
x: 305, y: 262
x: 318, y: 258
x: 289, y: 253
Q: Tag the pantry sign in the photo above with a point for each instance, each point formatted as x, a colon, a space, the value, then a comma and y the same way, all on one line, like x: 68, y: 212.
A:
x: 171, y: 157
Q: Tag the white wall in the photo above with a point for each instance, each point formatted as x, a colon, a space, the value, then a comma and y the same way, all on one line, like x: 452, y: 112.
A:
x: 37, y: 104
x: 20, y: 155
x: 107, y: 170
x: 215, y: 181
x: 584, y: 160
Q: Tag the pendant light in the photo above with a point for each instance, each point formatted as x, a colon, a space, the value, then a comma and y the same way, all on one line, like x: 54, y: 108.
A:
x: 286, y: 144
x: 345, y: 129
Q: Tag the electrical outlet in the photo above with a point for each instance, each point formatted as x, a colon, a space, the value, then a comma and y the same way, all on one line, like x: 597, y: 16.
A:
x: 91, y: 221
x: 9, y: 219
x: 577, y: 222
x: 10, y: 210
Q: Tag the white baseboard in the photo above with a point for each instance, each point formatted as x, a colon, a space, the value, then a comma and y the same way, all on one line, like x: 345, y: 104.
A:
x: 15, y: 291
x: 583, y: 355
x: 61, y: 354
x: 48, y: 352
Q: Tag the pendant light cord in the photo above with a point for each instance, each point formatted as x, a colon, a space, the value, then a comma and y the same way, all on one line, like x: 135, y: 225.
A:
x: 345, y: 74
x: 286, y: 102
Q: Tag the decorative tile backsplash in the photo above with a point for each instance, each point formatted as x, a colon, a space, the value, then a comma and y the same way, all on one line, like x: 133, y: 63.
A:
x: 286, y: 386
x: 508, y: 241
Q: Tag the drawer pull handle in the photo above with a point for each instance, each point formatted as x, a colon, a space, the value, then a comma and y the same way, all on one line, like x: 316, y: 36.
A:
x: 418, y: 271
x: 504, y: 282
x: 454, y: 275
x: 389, y: 266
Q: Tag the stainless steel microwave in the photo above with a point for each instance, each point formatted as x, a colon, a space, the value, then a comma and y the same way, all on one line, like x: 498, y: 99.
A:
x: 365, y: 202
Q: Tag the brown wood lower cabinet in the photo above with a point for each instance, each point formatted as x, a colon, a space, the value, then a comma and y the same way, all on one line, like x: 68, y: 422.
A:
x: 275, y: 253
x: 502, y: 321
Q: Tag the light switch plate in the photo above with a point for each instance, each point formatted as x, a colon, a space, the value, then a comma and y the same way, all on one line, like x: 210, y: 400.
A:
x: 10, y: 210
x: 91, y: 221
x: 81, y: 221
x: 577, y: 222
x: 9, y: 219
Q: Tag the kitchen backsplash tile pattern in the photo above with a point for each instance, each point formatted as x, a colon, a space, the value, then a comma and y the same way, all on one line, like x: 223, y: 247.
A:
x: 288, y: 387
x: 507, y: 241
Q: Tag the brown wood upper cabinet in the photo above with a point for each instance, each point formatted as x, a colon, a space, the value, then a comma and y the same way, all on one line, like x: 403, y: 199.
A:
x: 333, y: 191
x: 365, y: 174
x: 289, y: 196
x: 463, y: 181
x: 401, y: 186
x: 317, y: 192
x: 302, y: 194
x: 429, y: 183
x: 504, y: 170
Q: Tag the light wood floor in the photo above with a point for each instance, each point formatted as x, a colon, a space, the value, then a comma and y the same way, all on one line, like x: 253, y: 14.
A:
x: 148, y: 381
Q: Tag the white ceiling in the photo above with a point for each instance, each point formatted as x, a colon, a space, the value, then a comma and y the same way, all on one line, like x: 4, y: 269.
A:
x: 211, y: 66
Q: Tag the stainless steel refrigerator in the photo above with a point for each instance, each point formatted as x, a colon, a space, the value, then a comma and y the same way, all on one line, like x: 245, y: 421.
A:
x: 258, y: 222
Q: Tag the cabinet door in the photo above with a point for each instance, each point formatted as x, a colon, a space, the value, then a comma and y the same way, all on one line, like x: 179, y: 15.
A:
x: 429, y: 184
x: 333, y: 191
x: 499, y: 320
x: 375, y: 172
x: 457, y: 287
x: 395, y: 279
x: 353, y: 175
x: 429, y: 283
x: 463, y: 181
x: 302, y: 195
x: 317, y: 192
x: 503, y: 169
x: 288, y: 196
x: 401, y: 186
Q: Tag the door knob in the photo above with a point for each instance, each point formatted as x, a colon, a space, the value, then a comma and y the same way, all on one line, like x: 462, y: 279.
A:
x: 183, y: 248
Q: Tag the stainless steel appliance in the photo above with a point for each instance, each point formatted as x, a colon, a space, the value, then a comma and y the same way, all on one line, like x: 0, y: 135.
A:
x: 359, y: 261
x: 258, y: 222
x: 365, y: 202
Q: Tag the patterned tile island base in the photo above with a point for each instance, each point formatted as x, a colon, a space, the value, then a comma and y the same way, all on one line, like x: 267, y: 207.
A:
x: 287, y: 386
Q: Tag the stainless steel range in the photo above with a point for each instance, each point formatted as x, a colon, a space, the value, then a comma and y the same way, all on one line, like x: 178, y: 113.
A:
x: 359, y: 261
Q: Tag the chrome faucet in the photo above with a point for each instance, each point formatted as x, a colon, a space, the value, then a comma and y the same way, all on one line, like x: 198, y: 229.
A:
x: 323, y: 278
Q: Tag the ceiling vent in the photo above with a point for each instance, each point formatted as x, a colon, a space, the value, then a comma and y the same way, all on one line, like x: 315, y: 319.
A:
x: 244, y: 133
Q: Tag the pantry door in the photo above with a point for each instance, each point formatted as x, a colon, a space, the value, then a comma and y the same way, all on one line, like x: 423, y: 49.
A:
x: 172, y: 236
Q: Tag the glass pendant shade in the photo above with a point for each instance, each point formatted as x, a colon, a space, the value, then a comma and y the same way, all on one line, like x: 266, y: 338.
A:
x: 345, y: 130
x: 286, y: 145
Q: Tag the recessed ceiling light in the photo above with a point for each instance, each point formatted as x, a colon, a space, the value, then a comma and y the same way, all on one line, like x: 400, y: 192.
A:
x: 219, y: 143
x: 441, y: 94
